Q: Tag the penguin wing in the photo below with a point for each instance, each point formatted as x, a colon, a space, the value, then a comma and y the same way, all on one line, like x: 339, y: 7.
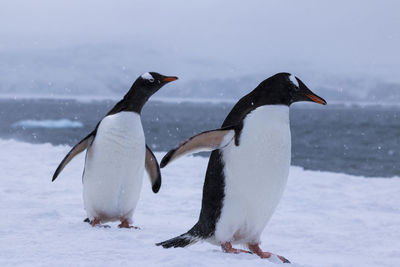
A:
x: 78, y: 148
x: 153, y: 170
x: 205, y: 141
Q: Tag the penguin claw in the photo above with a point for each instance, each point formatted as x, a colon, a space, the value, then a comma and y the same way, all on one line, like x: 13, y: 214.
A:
x: 102, y: 226
x: 283, y: 259
x: 130, y: 227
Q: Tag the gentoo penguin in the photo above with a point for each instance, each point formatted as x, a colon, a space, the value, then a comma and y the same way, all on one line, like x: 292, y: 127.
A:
x: 117, y: 156
x: 248, y: 168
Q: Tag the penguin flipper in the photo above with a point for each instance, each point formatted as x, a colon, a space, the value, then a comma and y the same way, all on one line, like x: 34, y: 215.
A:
x: 205, y: 141
x: 153, y: 170
x: 78, y: 148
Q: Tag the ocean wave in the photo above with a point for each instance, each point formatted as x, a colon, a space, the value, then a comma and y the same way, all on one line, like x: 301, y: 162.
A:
x: 50, y: 124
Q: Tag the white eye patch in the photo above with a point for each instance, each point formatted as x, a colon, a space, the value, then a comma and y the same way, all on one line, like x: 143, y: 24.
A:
x: 147, y: 76
x: 292, y: 78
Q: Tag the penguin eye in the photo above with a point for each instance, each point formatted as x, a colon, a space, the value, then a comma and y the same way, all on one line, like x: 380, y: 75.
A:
x: 151, y: 80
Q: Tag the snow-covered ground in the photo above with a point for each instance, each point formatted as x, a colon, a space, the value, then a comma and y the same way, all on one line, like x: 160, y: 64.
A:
x: 324, y: 219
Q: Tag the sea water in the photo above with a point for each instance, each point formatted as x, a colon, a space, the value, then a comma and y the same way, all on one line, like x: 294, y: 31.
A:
x: 348, y: 139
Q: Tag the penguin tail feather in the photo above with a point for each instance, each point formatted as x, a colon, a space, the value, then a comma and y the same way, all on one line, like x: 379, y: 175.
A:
x: 179, y: 241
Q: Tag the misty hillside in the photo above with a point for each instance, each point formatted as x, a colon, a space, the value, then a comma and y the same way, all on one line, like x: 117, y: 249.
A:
x: 219, y: 50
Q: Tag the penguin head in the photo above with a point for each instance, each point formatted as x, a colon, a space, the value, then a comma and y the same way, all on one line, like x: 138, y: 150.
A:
x: 150, y: 82
x: 142, y: 89
x: 285, y: 88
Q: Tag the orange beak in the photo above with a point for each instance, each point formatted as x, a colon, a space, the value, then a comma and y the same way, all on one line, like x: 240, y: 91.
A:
x: 316, y: 99
x: 170, y: 79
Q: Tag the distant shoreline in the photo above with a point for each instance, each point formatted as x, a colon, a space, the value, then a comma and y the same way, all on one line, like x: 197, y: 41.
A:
x: 178, y: 100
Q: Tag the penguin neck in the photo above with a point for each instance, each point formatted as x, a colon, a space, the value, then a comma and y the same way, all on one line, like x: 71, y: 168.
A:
x: 249, y: 103
x: 134, y: 101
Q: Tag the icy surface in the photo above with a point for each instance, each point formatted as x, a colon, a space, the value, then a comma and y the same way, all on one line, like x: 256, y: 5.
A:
x: 324, y: 219
x: 51, y: 124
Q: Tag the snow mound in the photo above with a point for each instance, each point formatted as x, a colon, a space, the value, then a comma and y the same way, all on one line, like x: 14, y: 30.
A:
x: 325, y: 219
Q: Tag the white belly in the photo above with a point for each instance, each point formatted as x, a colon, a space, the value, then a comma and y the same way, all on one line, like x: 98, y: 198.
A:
x: 256, y: 173
x: 114, y: 168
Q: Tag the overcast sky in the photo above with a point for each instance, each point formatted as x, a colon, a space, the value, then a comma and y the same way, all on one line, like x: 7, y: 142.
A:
x: 319, y: 41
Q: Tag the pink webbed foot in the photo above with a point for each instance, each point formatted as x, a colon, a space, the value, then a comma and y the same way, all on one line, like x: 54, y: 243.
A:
x: 125, y: 224
x: 227, y: 248
x: 264, y: 254
x: 97, y: 223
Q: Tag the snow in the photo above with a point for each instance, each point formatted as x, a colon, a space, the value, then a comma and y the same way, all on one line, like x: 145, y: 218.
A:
x: 52, y: 124
x: 294, y: 80
x: 324, y: 219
